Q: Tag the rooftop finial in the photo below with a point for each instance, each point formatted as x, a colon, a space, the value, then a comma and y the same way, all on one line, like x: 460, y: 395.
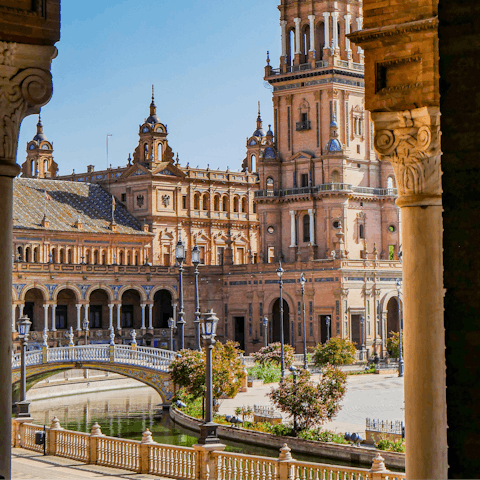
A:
x: 258, y: 108
x: 153, y: 107
x: 268, y: 57
x: 153, y: 93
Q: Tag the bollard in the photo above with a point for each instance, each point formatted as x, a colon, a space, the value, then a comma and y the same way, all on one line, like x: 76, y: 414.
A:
x: 378, y: 467
x: 52, y: 435
x: 95, y: 432
x: 284, y: 460
x: 147, y: 439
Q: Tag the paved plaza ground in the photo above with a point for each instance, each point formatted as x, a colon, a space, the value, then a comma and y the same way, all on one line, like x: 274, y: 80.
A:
x: 374, y: 396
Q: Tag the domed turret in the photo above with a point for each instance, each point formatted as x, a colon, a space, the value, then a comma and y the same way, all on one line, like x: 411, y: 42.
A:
x: 259, y: 132
x: 153, y: 118
x: 334, y: 144
x: 40, y: 136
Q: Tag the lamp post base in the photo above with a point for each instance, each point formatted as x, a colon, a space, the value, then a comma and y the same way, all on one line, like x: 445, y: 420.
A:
x: 23, y: 409
x: 208, y: 434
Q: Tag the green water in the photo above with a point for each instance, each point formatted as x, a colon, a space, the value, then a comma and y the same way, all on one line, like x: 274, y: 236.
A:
x: 127, y: 413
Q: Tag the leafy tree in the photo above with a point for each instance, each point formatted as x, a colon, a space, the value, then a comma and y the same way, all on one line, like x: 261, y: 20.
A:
x: 311, y: 404
x: 272, y: 354
x: 188, y: 371
x: 393, y: 347
x: 337, y: 351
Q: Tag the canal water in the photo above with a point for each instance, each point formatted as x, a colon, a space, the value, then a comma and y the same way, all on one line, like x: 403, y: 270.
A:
x: 127, y: 413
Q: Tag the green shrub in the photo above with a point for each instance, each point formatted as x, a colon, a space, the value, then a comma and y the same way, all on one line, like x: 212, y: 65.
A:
x: 269, y: 372
x: 393, y: 446
x: 281, y: 429
x: 337, y: 351
x: 393, y: 347
x: 272, y: 354
x: 322, y: 436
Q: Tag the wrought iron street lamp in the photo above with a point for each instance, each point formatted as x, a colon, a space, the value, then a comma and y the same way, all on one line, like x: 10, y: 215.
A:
x: 400, y: 354
x: 265, y: 330
x: 85, y: 324
x: 196, y: 323
x: 303, y: 280
x: 280, y: 272
x: 208, y: 430
x: 362, y: 321
x: 293, y: 369
x: 180, y: 257
x: 171, y: 326
x: 328, y: 328
x: 23, y: 325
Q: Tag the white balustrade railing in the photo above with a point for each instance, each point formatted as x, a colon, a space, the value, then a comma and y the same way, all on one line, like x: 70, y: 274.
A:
x: 246, y: 467
x: 149, y: 357
x: 170, y: 461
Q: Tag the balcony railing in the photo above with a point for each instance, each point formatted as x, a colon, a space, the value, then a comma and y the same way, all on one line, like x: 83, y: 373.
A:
x: 327, y: 187
x: 303, y: 126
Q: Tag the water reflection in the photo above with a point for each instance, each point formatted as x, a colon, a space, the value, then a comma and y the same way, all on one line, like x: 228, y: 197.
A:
x: 127, y: 413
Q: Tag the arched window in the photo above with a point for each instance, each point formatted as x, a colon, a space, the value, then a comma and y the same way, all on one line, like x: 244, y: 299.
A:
x: 361, y: 231
x: 306, y: 42
x: 45, y: 167
x: 95, y: 257
x: 28, y: 254
x: 128, y: 258
x: 235, y: 204
x: 160, y: 152
x: 270, y: 183
x: 291, y: 46
x: 62, y: 256
x: 225, y: 204
x: 196, y: 201
x: 390, y: 183
x: 54, y: 255
x: 244, y: 205
x: 306, y: 228
x: 32, y: 166
x: 104, y: 258
x: 205, y: 202
x: 320, y: 40
x: 216, y: 203
x: 70, y: 256
x: 145, y: 151
x: 335, y: 177
x: 121, y: 257
x: 20, y: 254
x: 253, y: 163
x: 35, y: 254
x: 87, y: 257
x: 136, y: 258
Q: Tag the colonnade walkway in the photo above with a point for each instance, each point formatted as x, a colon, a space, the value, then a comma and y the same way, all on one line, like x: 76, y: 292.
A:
x: 32, y: 465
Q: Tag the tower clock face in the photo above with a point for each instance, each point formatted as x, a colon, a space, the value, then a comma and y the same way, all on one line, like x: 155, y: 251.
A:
x: 145, y: 129
x: 270, y: 229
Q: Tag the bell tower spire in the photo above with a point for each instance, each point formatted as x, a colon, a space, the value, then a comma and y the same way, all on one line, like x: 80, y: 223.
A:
x: 153, y: 107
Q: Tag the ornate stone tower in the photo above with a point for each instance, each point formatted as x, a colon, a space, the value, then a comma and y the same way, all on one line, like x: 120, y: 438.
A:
x: 322, y: 175
x: 152, y: 146
x: 39, y: 163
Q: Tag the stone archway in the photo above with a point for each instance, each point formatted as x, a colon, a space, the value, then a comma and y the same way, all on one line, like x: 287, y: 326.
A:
x: 392, y: 317
x: 162, y: 308
x: 33, y: 309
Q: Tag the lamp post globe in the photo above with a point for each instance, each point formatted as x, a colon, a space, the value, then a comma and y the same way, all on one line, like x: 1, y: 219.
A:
x: 208, y: 430
x: 265, y: 330
x: 180, y: 257
x: 280, y: 272
x: 303, y: 281
x: 196, y: 322
x: 23, y: 326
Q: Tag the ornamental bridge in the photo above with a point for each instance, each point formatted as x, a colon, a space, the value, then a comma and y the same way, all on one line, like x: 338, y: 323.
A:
x: 148, y: 365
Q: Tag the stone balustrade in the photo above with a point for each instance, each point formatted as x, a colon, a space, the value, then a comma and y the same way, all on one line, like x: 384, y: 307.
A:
x: 198, y: 463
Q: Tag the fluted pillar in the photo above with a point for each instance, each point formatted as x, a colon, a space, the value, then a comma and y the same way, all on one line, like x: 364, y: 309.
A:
x: 347, y: 18
x: 311, y: 19
x: 79, y: 320
x: 119, y: 309
x: 45, y: 317
x: 297, y: 35
x: 335, y: 29
x: 283, y: 25
x: 410, y: 140
x: 311, y: 214
x: 26, y: 85
x: 293, y: 237
x: 54, y: 311
x: 142, y: 306
x: 110, y: 315
x: 326, y: 16
x: 150, y: 315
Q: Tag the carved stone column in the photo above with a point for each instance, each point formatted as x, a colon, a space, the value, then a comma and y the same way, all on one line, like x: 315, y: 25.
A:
x: 25, y: 85
x: 410, y: 140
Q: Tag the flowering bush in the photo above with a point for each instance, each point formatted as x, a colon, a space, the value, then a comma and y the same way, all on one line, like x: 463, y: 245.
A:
x: 272, y: 354
x: 269, y: 373
x: 337, y: 351
x: 188, y: 371
x: 393, y: 347
x: 308, y: 403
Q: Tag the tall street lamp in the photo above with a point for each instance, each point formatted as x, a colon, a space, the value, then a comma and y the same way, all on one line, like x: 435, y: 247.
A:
x: 23, y: 325
x: 265, y: 330
x: 180, y: 257
x: 208, y: 430
x: 280, y: 272
x: 303, y: 280
x: 362, y: 321
x: 85, y: 328
x: 400, y: 355
x: 171, y: 326
x: 328, y: 328
x: 196, y: 323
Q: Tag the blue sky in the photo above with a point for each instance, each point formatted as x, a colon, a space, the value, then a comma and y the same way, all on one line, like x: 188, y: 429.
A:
x: 206, y: 60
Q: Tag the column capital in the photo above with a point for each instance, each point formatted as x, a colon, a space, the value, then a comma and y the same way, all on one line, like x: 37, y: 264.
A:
x: 311, y: 18
x: 410, y: 141
x: 292, y: 213
x: 326, y: 14
x: 297, y: 20
x: 26, y: 86
x: 283, y: 23
x: 311, y: 211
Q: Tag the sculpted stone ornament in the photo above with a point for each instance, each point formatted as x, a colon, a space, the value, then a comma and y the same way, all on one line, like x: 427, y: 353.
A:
x: 410, y: 140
